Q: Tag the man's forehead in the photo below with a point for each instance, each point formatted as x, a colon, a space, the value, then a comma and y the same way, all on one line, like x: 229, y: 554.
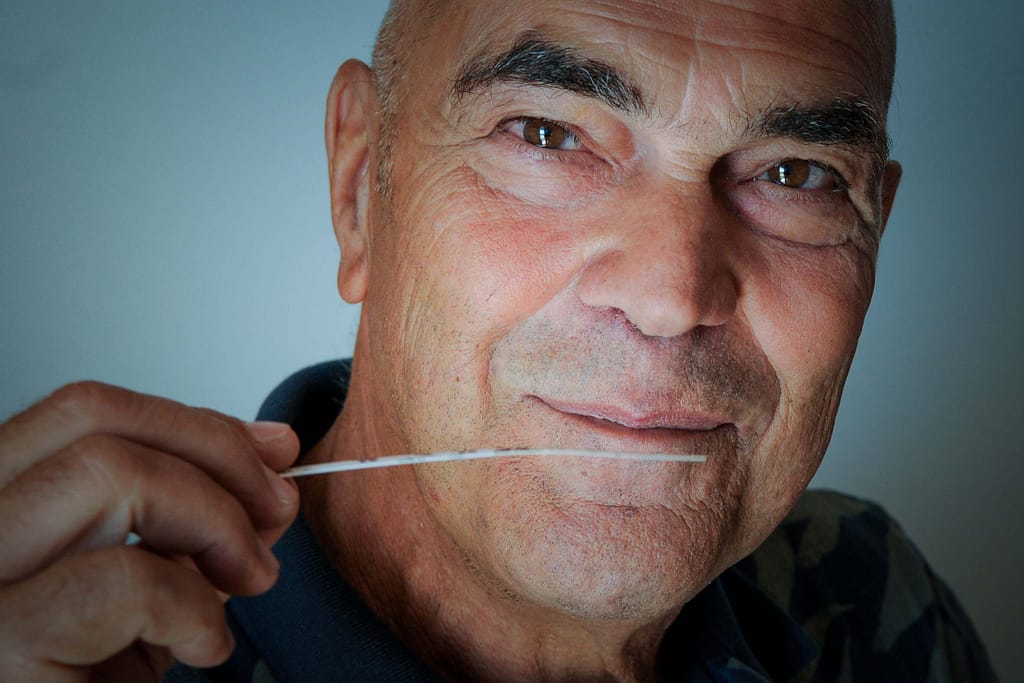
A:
x: 654, y: 43
x: 535, y: 60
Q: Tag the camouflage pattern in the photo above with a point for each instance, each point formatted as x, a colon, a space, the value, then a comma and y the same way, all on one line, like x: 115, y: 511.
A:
x: 847, y: 574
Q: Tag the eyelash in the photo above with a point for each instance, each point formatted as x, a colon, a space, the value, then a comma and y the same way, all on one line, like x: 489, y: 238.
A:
x: 840, y: 179
x: 842, y: 185
x: 541, y: 152
x: 544, y: 154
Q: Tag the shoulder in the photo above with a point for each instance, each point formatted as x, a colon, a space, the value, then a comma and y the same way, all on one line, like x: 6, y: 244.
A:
x: 827, y: 537
x: 857, y: 585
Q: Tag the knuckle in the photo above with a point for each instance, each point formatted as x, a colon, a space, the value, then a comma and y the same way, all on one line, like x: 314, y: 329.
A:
x: 82, y: 401
x: 229, y: 429
x: 221, y: 431
x: 223, y: 514
x: 92, y: 465
x: 104, y: 457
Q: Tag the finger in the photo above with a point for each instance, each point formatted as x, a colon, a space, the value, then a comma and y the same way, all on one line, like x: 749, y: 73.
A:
x: 232, y: 453
x: 87, y: 608
x: 276, y: 442
x: 102, y: 487
x: 269, y: 538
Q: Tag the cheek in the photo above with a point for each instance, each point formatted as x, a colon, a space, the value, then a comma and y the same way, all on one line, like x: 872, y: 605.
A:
x: 459, y: 265
x: 492, y: 260
x: 806, y: 307
x: 806, y: 311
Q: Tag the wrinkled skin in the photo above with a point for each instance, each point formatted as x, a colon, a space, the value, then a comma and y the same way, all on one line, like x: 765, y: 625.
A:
x: 651, y: 286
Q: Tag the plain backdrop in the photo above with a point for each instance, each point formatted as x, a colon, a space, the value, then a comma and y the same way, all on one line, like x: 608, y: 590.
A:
x: 164, y: 225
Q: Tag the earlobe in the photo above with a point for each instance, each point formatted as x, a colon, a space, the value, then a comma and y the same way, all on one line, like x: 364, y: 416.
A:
x: 351, y: 106
x: 890, y: 183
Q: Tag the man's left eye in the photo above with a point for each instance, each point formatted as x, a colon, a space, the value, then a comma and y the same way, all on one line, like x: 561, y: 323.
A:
x: 544, y: 134
x: 801, y: 174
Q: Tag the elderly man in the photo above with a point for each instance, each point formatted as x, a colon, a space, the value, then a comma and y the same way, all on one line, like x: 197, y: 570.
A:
x: 634, y: 226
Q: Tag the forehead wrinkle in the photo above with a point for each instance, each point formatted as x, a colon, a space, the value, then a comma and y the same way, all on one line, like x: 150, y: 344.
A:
x: 735, y: 25
x: 853, y: 41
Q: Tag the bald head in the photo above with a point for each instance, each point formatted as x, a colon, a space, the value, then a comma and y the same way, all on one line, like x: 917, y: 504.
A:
x: 407, y: 22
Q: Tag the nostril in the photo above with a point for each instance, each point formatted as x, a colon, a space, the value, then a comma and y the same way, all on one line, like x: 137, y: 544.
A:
x: 665, y: 282
x: 662, y: 309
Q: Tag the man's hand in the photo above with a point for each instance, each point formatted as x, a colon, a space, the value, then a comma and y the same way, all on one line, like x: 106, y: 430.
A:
x: 88, y: 465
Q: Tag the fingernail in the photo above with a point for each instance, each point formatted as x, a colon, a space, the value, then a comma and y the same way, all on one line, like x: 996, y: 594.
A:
x: 282, y: 489
x: 265, y: 432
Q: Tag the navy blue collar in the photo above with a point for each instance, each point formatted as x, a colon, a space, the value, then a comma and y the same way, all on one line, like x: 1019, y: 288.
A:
x: 314, y: 627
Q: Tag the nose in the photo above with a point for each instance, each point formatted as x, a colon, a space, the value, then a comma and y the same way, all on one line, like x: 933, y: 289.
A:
x: 667, y: 267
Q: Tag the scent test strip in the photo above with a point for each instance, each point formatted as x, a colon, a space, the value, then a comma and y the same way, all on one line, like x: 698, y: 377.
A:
x: 418, y: 459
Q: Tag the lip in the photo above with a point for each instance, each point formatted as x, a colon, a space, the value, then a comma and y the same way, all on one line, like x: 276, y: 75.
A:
x: 675, y: 419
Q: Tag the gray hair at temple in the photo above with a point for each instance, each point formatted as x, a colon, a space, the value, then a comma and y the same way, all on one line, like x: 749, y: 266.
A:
x: 391, y: 51
x: 406, y: 20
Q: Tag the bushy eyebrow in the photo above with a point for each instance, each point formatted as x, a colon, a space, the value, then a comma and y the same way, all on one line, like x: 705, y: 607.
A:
x: 534, y: 60
x: 847, y: 120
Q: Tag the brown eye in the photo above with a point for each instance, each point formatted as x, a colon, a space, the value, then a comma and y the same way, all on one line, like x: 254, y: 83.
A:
x: 802, y: 175
x: 792, y: 173
x: 547, y: 135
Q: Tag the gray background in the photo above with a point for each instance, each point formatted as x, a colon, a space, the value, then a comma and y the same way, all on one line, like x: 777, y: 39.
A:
x: 164, y: 225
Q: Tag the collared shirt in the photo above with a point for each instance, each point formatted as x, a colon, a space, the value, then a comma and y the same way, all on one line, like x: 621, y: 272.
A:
x: 836, y: 593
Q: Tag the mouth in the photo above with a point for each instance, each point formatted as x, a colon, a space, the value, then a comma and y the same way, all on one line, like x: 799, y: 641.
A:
x: 619, y: 421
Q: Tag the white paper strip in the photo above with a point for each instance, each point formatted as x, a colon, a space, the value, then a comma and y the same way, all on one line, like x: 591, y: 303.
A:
x: 410, y: 459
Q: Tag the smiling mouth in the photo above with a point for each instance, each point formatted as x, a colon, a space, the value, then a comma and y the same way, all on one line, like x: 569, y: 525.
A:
x: 619, y: 420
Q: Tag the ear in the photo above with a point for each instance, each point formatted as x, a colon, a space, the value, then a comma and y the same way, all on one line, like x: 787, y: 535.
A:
x: 351, y: 108
x: 890, y: 182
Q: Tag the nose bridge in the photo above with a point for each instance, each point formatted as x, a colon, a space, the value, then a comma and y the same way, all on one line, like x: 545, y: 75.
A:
x: 667, y: 266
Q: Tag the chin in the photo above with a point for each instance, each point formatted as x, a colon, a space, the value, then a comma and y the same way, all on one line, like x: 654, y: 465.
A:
x: 606, y: 562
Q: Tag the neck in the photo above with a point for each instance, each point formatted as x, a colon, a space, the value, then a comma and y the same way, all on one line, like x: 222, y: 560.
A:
x: 380, y: 535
